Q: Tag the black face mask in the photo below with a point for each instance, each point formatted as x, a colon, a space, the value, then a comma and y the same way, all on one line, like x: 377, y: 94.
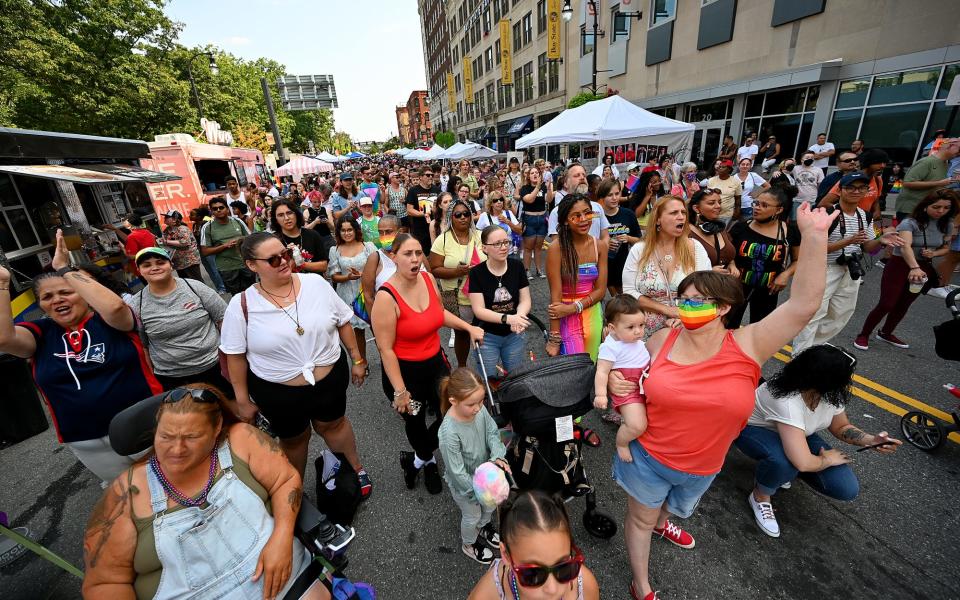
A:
x: 710, y: 227
x: 808, y: 162
x: 789, y: 168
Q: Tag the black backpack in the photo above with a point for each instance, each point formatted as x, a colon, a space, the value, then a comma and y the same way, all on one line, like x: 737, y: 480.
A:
x: 340, y: 504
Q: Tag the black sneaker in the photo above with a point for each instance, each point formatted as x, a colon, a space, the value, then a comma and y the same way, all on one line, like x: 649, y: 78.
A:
x: 490, y: 537
x: 478, y: 552
x: 431, y: 478
x: 410, y: 472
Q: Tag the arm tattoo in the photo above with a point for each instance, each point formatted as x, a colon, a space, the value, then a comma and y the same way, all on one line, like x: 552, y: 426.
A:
x: 111, y: 508
x: 266, y: 441
x: 294, y: 498
x: 852, y: 435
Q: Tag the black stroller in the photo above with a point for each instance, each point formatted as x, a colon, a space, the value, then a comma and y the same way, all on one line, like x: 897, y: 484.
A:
x: 541, y: 400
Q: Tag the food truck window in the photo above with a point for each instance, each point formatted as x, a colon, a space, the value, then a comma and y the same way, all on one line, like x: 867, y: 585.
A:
x: 17, y: 233
x: 113, y: 201
x: 241, y: 174
x: 212, y: 174
x: 88, y: 202
x: 262, y: 174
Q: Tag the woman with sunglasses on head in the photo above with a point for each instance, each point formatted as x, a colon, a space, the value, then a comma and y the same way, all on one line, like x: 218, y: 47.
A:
x: 345, y: 268
x: 406, y: 318
x: 500, y: 300
x: 752, y: 185
x: 766, y: 247
x: 453, y: 253
x: 807, y: 397
x: 700, y: 393
x: 656, y: 266
x: 577, y: 274
x: 624, y: 230
x: 282, y: 339
x: 539, y: 557
x: 707, y: 229
x: 688, y: 184
x: 143, y: 538
x: 286, y: 221
x: 86, y: 359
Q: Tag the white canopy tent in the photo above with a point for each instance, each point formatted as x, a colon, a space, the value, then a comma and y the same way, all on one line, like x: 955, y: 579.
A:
x: 450, y: 153
x: 434, y: 153
x: 403, y: 151
x: 327, y: 156
x: 302, y: 165
x: 472, y: 151
x: 612, y: 121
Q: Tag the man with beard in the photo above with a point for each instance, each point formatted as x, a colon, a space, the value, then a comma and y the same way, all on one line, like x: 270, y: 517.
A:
x: 575, y: 181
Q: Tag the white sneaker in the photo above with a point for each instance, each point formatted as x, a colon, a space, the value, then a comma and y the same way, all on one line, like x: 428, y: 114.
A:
x: 453, y: 339
x: 939, y: 292
x: 763, y: 513
x: 787, y: 485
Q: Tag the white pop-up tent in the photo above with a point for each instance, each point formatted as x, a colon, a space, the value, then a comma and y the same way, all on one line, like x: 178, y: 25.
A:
x: 470, y: 151
x: 451, y: 152
x: 327, y: 156
x: 612, y: 121
x: 434, y: 153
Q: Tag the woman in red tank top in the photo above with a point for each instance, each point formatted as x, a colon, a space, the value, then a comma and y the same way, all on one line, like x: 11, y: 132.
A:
x: 407, y: 317
x: 700, y: 393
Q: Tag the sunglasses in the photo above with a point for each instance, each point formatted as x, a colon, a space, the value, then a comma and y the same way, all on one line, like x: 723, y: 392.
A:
x: 713, y: 190
x: 582, y: 217
x: 218, y: 207
x: 849, y: 160
x: 565, y: 571
x: 178, y: 394
x: 461, y: 214
x: 696, y: 302
x: 275, y: 261
x: 850, y: 357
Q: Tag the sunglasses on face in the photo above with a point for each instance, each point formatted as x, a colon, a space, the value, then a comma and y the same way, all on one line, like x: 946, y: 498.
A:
x: 848, y: 160
x: 178, y: 394
x: 218, y: 207
x: 565, y: 571
x: 580, y: 218
x: 461, y: 214
x: 695, y: 302
x: 275, y: 261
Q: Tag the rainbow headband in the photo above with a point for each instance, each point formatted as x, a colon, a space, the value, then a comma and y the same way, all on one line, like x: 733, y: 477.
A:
x: 695, y: 317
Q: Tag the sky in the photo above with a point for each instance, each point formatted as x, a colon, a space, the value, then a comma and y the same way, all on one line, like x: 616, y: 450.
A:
x: 372, y: 48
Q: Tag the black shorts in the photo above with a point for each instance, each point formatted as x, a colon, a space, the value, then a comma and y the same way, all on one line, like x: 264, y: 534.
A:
x: 290, y: 409
x: 213, y: 376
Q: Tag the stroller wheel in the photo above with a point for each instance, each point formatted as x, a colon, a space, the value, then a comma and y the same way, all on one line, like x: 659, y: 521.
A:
x: 922, y: 430
x: 599, y: 524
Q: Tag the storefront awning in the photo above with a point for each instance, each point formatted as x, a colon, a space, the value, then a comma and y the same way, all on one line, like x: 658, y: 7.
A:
x: 90, y: 174
x: 520, y: 124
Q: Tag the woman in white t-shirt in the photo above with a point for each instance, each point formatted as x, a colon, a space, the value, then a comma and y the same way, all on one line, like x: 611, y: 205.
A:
x: 748, y: 180
x: 282, y: 340
x: 783, y: 433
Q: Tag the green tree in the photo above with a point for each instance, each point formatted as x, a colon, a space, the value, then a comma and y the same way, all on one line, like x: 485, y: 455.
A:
x: 315, y: 125
x: 391, y: 144
x: 445, y: 138
x: 584, y: 97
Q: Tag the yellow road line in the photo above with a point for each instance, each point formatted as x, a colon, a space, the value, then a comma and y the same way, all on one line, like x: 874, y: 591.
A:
x: 889, y: 406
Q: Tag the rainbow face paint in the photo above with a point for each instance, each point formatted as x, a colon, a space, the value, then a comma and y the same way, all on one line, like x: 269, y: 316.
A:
x: 695, y: 314
x: 386, y: 242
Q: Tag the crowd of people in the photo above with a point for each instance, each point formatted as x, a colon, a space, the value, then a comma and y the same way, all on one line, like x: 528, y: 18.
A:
x: 651, y: 271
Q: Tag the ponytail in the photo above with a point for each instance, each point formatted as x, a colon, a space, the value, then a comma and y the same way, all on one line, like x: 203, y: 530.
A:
x: 458, y: 385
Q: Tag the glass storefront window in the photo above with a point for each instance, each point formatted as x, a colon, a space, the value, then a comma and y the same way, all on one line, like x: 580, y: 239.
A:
x: 853, y: 92
x: 843, y: 127
x: 948, y: 75
x: 812, y: 96
x: 896, y: 129
x: 754, y: 105
x: 713, y: 111
x: 785, y: 128
x: 938, y: 120
x: 908, y: 86
x: 749, y: 126
x: 8, y: 196
x: 785, y: 102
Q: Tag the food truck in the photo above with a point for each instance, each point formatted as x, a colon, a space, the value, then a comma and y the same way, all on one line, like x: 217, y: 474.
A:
x: 202, y: 169
x: 78, y: 183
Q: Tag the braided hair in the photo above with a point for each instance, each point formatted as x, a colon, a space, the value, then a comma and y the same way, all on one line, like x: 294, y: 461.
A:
x: 569, y: 261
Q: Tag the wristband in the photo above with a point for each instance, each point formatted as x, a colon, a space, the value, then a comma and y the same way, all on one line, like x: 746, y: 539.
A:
x: 400, y: 393
x: 64, y: 270
x: 359, y: 361
x: 912, y: 268
x: 579, y: 306
x: 503, y: 319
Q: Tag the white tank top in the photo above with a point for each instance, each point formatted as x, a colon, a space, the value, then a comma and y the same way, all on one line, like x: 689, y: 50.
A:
x: 387, y: 269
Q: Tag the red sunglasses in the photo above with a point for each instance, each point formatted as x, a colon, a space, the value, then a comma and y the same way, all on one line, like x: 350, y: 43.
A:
x: 565, y: 571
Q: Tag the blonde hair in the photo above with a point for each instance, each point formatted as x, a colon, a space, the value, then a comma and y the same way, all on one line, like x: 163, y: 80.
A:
x: 456, y: 387
x: 685, y: 256
x: 488, y: 201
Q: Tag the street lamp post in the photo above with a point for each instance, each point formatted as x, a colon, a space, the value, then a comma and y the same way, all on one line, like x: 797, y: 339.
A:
x: 567, y: 13
x: 214, y: 70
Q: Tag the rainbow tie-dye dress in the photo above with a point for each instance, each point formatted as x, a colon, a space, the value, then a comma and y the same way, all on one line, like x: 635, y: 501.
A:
x: 582, y: 332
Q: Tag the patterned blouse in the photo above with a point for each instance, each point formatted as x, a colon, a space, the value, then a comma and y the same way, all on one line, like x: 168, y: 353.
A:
x: 183, y: 257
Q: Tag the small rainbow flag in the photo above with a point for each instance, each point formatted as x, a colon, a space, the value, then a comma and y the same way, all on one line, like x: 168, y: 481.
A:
x: 694, y: 317
x: 359, y: 306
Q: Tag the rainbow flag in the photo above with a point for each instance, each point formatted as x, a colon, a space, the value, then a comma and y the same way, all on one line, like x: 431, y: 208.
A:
x: 359, y: 306
x: 695, y: 317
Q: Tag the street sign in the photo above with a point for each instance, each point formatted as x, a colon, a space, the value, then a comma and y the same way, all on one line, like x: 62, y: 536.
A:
x: 307, y: 92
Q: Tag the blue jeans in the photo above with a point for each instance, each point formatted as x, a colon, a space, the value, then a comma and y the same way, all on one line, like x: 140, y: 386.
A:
x: 507, y: 350
x: 210, y: 264
x: 774, y: 468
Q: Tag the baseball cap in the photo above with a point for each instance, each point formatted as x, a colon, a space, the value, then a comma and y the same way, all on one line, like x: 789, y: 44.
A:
x: 366, y: 201
x: 850, y: 178
x: 346, y: 175
x: 173, y: 214
x: 151, y: 252
x: 633, y: 165
x: 726, y: 163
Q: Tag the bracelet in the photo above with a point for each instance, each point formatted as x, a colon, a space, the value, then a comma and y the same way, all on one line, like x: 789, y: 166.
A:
x: 400, y: 393
x: 359, y: 361
x: 63, y: 271
x: 912, y: 268
x: 579, y: 306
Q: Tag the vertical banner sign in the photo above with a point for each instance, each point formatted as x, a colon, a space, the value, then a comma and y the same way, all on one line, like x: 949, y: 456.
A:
x: 506, y: 53
x: 451, y: 91
x: 553, y: 29
x: 467, y: 81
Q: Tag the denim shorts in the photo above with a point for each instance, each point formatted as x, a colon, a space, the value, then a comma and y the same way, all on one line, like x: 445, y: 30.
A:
x: 651, y: 483
x: 536, y: 225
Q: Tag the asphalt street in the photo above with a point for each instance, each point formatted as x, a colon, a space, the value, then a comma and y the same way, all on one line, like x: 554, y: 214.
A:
x: 897, y: 540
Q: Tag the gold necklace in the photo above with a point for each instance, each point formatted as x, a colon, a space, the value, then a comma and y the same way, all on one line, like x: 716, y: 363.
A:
x: 296, y: 305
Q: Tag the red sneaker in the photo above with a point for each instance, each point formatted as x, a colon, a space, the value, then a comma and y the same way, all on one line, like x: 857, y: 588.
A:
x: 636, y: 595
x: 892, y: 340
x: 861, y: 342
x: 674, y: 534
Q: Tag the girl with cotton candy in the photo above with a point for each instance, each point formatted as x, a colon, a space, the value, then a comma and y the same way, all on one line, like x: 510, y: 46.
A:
x: 468, y: 439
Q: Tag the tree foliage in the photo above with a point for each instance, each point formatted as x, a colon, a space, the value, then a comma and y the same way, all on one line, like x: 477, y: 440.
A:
x: 445, y: 138
x: 115, y: 68
x: 584, y: 97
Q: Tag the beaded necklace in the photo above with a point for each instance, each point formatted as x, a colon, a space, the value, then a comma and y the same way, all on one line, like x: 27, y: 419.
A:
x: 178, y: 496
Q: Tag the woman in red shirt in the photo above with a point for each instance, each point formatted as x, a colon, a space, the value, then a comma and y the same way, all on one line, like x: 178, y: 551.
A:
x: 407, y: 317
x: 700, y: 393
